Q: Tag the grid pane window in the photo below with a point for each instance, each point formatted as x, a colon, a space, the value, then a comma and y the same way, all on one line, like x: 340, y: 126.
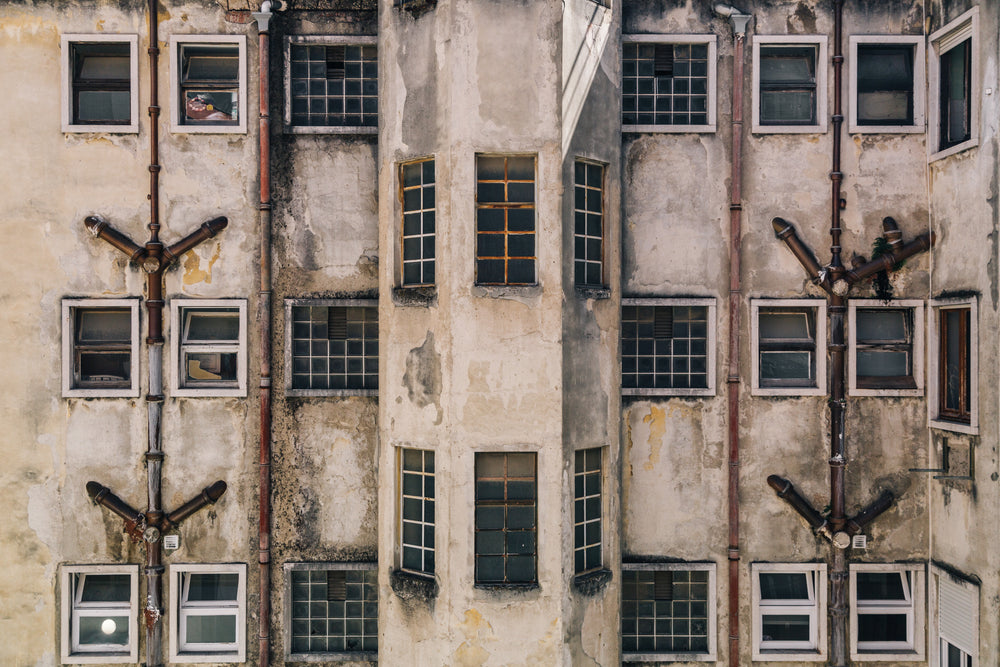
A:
x: 588, y: 223
x: 788, y: 85
x: 665, y: 611
x: 505, y: 220
x: 885, y: 84
x: 101, y: 83
x: 334, y: 85
x: 209, y: 84
x: 664, y: 84
x: 418, y: 233
x: 664, y: 347
x: 506, y: 512
x: 334, y: 347
x: 334, y: 611
x: 587, y: 510
x: 417, y: 510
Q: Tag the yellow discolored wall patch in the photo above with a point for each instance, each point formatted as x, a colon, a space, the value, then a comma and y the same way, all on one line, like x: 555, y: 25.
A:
x: 193, y: 272
x: 657, y: 420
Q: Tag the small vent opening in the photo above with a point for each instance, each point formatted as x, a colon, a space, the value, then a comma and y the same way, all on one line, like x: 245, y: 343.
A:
x: 336, y: 585
x: 663, y: 60
x: 663, y: 585
x: 335, y: 57
x: 663, y: 323
x: 336, y: 324
x: 859, y: 542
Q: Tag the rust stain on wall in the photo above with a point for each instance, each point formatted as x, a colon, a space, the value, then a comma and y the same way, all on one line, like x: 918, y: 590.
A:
x: 657, y: 428
x: 193, y: 272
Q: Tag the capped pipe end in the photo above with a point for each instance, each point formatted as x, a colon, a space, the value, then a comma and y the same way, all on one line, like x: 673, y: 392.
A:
x: 215, y: 491
x: 94, y: 224
x: 94, y: 489
x: 215, y: 225
x: 892, y: 233
x: 781, y: 227
x: 779, y: 484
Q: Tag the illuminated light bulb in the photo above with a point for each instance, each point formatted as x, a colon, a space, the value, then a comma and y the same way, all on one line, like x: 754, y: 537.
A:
x: 108, y: 626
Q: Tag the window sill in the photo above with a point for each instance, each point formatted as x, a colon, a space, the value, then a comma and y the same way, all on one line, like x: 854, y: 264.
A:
x: 101, y: 393
x: 514, y: 292
x: 508, y: 592
x: 101, y: 129
x: 99, y: 658
x: 414, y: 296
x: 886, y: 129
x: 306, y: 393
x: 208, y: 129
x: 952, y: 150
x: 788, y: 129
x: 892, y: 655
x: 413, y: 586
x: 208, y: 393
x: 368, y: 656
x: 628, y: 658
x: 221, y: 656
x: 330, y: 129
x: 954, y: 427
x: 790, y: 392
x: 593, y: 292
x: 680, y: 393
x: 592, y: 583
x: 789, y: 655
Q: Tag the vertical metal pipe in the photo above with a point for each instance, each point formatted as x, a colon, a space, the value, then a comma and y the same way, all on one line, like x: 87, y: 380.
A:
x: 837, y: 311
x: 264, y: 323
x: 735, y: 303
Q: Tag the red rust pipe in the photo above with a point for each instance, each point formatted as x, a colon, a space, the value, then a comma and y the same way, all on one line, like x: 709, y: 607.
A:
x: 264, y: 322
x: 735, y: 303
x: 887, y: 261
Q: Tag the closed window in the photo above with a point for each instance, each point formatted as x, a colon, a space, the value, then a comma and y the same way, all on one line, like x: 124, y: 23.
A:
x: 886, y: 611
x: 886, y: 83
x: 333, y: 347
x: 668, y: 612
x: 331, y: 84
x: 505, y: 220
x: 668, y: 83
x: 667, y: 346
x: 209, y: 607
x: 209, y: 83
x: 416, y: 510
x: 588, y: 223
x: 209, y: 347
x: 506, y: 514
x: 100, y: 603
x: 955, y: 638
x: 587, y: 505
x: 333, y: 611
x: 953, y: 67
x: 100, y: 347
x: 789, y: 347
x: 100, y: 74
x: 789, y: 621
x: 885, y: 348
x: 789, y: 84
x: 417, y: 192
x: 953, y: 381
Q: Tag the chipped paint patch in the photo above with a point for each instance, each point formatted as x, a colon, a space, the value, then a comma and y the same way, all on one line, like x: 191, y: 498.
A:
x: 657, y: 420
x: 193, y: 272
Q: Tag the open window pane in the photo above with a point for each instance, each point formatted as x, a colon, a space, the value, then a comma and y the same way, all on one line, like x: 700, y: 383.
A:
x: 212, y: 587
x: 219, y: 325
x: 104, y: 326
x: 104, y: 588
x: 784, y: 586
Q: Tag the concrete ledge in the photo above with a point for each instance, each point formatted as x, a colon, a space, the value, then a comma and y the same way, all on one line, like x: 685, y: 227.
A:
x: 410, y: 586
x: 592, y: 583
x: 414, y: 296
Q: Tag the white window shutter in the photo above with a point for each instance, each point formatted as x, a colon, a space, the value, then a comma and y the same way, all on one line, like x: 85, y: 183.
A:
x: 958, y: 611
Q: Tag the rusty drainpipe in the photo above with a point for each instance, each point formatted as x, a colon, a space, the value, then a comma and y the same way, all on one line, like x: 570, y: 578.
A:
x: 838, y: 307
x: 739, y: 21
x: 263, y: 18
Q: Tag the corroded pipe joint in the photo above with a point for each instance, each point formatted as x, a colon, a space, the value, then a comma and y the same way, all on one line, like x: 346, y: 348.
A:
x: 892, y: 233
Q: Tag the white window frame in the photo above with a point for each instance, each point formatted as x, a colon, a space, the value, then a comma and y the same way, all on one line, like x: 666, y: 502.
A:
x: 321, y: 40
x: 820, y: 41
x: 917, y: 42
x: 963, y: 594
x: 324, y: 657
x: 940, y: 42
x: 176, y: 124
x: 711, y: 655
x: 711, y: 345
x: 934, y: 367
x: 177, y: 310
x: 66, y: 43
x: 226, y: 652
x: 69, y: 613
x: 69, y: 306
x: 401, y: 496
x: 913, y: 606
x: 819, y: 305
x: 916, y: 308
x: 289, y: 356
x: 711, y: 85
x: 815, y: 606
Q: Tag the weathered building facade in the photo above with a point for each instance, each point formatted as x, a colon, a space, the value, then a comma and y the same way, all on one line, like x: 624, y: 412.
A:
x: 465, y: 332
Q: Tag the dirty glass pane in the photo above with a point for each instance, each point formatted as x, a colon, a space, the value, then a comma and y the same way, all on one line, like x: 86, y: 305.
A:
x: 663, y: 624
x: 345, y: 622
x: 93, y: 630
x: 210, y: 62
x: 106, y: 368
x: 212, y: 586
x: 784, y: 585
x: 790, y: 106
x: 785, y: 325
x: 883, y: 363
x: 885, y: 84
x: 104, y: 587
x: 787, y: 64
x: 214, y: 326
x: 104, y: 326
x: 211, y: 629
x: 882, y: 325
x: 104, y: 106
x: 882, y: 585
x: 882, y: 627
x: 785, y: 627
